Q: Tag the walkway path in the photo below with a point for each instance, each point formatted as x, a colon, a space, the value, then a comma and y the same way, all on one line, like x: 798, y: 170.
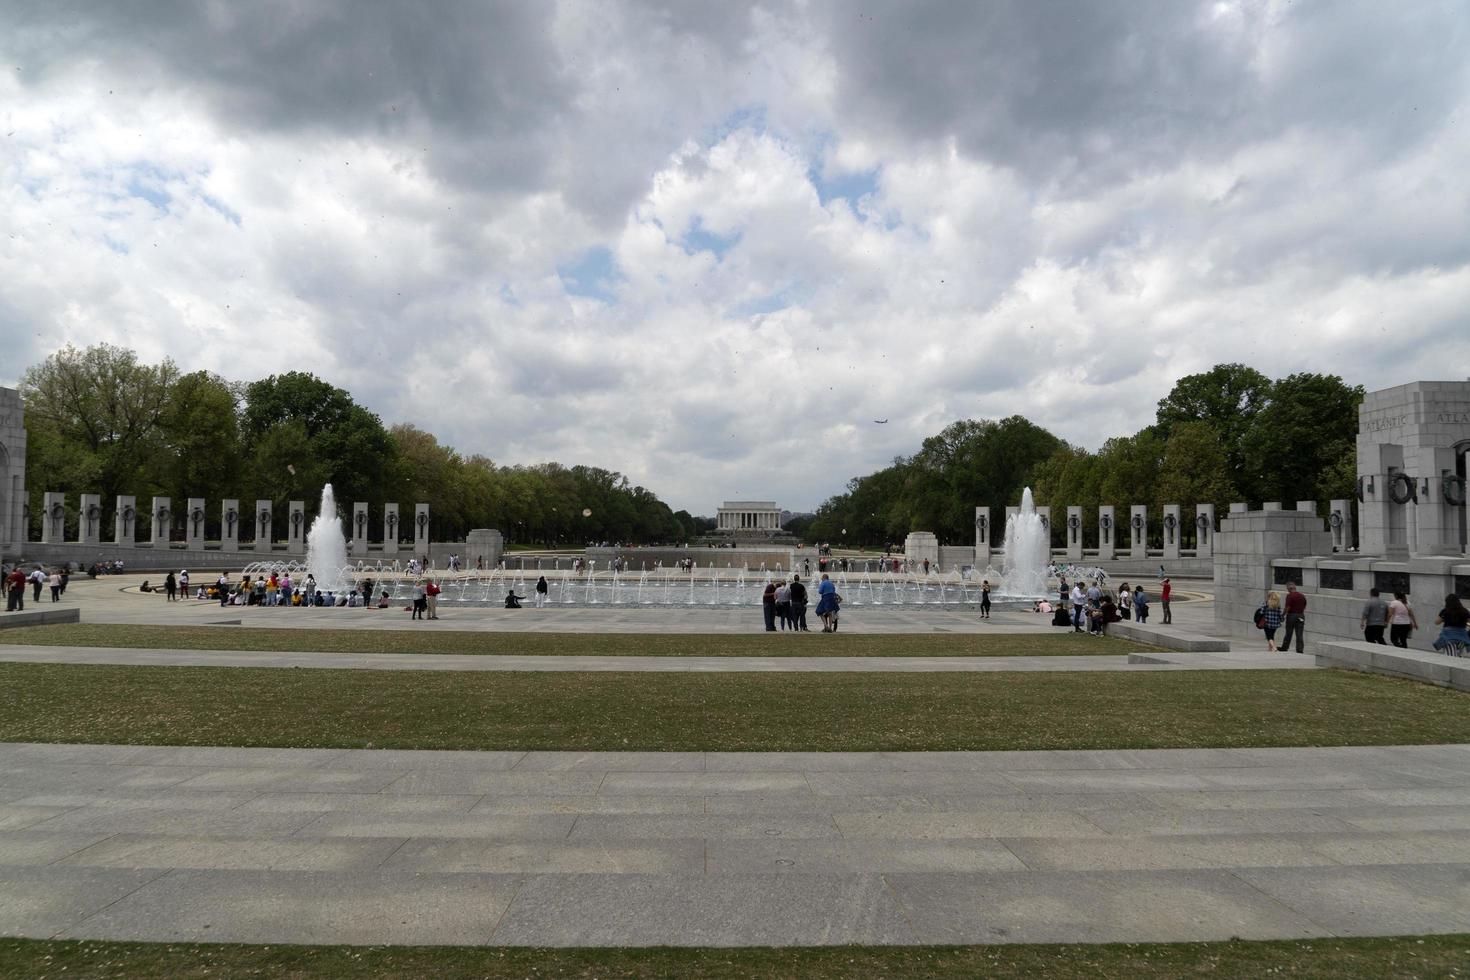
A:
x: 332, y: 846
x: 428, y: 661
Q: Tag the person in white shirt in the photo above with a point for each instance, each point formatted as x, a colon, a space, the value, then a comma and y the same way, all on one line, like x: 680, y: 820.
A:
x: 1079, y: 599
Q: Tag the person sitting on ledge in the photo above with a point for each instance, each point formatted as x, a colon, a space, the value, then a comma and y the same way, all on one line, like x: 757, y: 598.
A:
x: 145, y: 587
x: 513, y: 601
x: 1041, y: 606
x: 383, y: 601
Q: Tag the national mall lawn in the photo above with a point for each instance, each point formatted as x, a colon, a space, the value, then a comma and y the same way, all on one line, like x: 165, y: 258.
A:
x: 720, y: 711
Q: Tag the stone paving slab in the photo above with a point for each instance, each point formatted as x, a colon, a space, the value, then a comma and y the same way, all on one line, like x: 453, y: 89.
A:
x: 724, y: 910
x: 730, y: 848
x: 1094, y: 907
x: 304, y: 907
x: 1381, y: 901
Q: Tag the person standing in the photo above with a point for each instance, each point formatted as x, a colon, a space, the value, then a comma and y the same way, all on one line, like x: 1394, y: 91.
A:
x: 768, y: 606
x: 783, y: 604
x: 1453, y: 621
x: 37, y: 578
x: 826, y: 602
x: 420, y: 600
x: 1140, y: 604
x: 1270, y: 618
x: 1125, y: 601
x: 184, y: 582
x: 1166, y: 592
x: 1296, y: 618
x: 431, y: 598
x: 15, y: 590
x: 55, y: 585
x: 542, y: 591
x: 1078, y: 599
x: 170, y: 587
x: 798, y: 605
x: 1374, y: 618
x: 985, y: 599
x: 1401, y: 620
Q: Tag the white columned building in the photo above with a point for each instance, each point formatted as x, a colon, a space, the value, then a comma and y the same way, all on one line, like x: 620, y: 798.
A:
x: 748, y: 515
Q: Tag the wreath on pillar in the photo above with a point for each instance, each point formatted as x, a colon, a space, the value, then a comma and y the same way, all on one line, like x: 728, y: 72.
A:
x: 1401, y: 489
x: 1452, y: 488
x: 1336, y: 519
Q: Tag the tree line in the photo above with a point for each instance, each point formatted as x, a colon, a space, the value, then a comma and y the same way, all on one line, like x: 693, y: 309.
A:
x: 1227, y: 434
x: 101, y: 421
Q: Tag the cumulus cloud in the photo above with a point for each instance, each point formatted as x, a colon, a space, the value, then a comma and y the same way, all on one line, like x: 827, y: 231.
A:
x: 707, y: 245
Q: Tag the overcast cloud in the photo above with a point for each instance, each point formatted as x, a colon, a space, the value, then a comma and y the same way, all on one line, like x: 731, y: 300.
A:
x: 707, y: 245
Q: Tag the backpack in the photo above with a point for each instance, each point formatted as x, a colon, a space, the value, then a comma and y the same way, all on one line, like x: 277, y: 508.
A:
x: 1260, y: 617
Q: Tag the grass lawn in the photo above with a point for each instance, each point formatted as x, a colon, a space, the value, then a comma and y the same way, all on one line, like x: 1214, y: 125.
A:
x: 719, y: 711
x: 1398, y: 956
x: 762, y: 644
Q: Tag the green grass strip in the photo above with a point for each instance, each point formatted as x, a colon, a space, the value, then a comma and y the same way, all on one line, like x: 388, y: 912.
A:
x: 719, y: 711
x: 755, y: 644
x: 1314, y: 959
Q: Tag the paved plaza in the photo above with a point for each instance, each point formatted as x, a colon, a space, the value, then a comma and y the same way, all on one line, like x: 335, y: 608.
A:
x: 711, y: 849
x: 571, y: 849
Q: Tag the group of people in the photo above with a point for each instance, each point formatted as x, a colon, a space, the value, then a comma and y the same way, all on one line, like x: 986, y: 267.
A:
x: 17, y: 580
x: 1398, y: 620
x: 1090, y: 608
x: 785, y: 603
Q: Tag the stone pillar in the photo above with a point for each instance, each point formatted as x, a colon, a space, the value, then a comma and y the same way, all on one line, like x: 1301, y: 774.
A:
x: 89, y: 519
x: 1138, y: 531
x: 420, y: 530
x: 1172, y: 531
x: 1204, y: 530
x: 264, y: 534
x: 1436, y: 515
x: 982, y: 537
x: 53, y: 518
x: 1045, y: 514
x: 485, y: 545
x: 359, y: 529
x: 296, y: 527
x: 1245, y: 546
x: 918, y: 546
x: 1310, y: 506
x: 125, y: 521
x: 229, y: 526
x: 194, y: 524
x: 1239, y: 508
x: 1074, y: 533
x: 1107, y: 532
x: 162, y: 516
x: 390, y: 531
x: 1340, y: 523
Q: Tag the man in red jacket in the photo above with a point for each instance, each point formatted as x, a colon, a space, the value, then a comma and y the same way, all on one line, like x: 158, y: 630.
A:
x: 15, y: 590
x: 1296, y: 617
x: 1165, y: 592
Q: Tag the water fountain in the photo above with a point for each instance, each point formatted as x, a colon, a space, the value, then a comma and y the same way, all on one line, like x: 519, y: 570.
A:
x: 1027, y: 553
x: 326, y: 546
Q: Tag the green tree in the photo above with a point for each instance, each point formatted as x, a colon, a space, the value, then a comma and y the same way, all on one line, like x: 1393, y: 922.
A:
x: 93, y: 420
x: 1194, y: 469
x: 346, y: 443
x: 1228, y: 397
x: 1297, y: 446
x: 201, y: 437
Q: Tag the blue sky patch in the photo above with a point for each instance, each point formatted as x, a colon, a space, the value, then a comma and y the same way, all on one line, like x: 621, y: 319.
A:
x: 851, y: 186
x: 592, y: 274
x: 700, y: 239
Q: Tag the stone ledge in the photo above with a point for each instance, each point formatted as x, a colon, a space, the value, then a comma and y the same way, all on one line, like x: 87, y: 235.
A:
x: 40, y: 617
x: 1189, y: 643
x: 1373, y: 658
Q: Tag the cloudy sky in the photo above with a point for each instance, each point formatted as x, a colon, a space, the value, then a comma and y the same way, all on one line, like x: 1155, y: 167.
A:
x: 708, y: 244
